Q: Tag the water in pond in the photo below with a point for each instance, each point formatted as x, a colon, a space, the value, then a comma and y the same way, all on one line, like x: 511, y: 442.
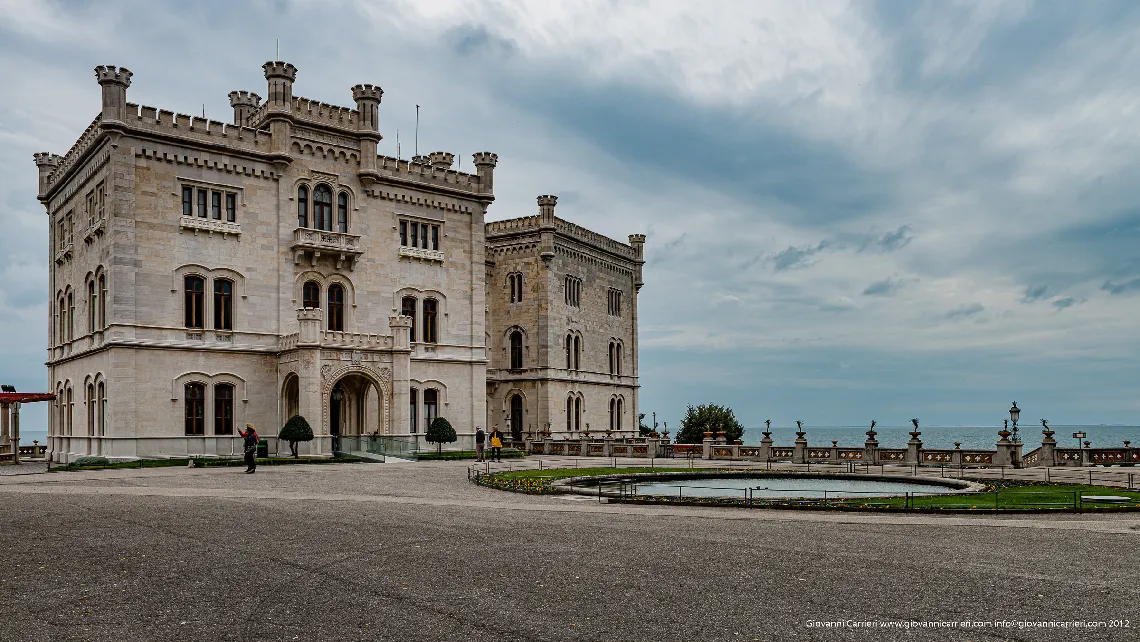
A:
x: 785, y: 487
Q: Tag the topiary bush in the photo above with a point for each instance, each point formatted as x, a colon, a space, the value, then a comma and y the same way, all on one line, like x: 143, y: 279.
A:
x: 295, y: 430
x: 91, y: 460
x: 440, y: 432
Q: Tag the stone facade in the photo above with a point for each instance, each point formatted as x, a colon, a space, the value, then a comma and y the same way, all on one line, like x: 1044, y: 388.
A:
x: 207, y: 275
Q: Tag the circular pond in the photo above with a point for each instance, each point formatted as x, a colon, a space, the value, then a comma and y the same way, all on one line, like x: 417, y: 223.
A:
x: 774, y: 486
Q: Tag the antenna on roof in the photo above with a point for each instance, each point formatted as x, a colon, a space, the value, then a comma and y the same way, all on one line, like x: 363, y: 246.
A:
x: 397, y: 149
x: 417, y: 130
x: 278, y: 55
x: 203, y: 111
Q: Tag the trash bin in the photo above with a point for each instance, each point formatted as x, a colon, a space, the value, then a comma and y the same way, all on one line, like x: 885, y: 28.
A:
x: 262, y: 449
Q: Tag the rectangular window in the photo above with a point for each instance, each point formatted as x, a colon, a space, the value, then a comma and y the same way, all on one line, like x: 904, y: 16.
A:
x: 404, y: 233
x: 231, y: 208
x: 431, y: 316
x: 431, y: 406
x: 195, y: 398
x: 216, y: 205
x: 195, y: 301
x: 203, y: 196
x: 223, y: 409
x: 415, y: 234
x: 62, y: 235
x: 100, y: 200
x: 223, y: 304
x: 91, y: 208
x: 70, y: 227
x: 435, y: 237
x: 413, y: 405
x: 423, y: 236
x: 187, y: 200
x: 408, y: 309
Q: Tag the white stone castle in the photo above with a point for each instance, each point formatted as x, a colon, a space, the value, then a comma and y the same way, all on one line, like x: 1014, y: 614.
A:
x: 207, y: 275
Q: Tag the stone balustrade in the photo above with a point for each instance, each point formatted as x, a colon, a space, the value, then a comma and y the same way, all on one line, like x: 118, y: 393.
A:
x: 315, y: 243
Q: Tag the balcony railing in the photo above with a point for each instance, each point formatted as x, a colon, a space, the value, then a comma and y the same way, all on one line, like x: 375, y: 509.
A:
x: 420, y: 253
x: 343, y: 247
x: 96, y: 229
x: 64, y: 253
x: 208, y: 225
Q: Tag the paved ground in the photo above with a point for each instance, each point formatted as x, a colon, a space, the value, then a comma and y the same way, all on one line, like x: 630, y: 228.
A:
x: 415, y: 552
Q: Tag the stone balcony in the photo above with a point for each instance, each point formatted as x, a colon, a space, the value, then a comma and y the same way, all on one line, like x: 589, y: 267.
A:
x: 95, y: 230
x: 422, y: 254
x: 315, y: 243
x: 208, y: 225
x: 64, y: 252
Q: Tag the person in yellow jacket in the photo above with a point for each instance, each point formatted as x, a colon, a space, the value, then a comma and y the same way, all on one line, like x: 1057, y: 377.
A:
x: 496, y: 444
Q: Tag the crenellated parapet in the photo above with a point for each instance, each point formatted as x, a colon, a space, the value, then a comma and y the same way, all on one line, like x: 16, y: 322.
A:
x: 114, y: 81
x: 279, y: 77
x: 47, y: 163
x: 547, y: 226
x: 593, y: 239
x: 485, y: 163
x: 441, y: 160
x: 637, y: 242
x: 367, y: 98
x: 428, y: 176
x: 192, y: 129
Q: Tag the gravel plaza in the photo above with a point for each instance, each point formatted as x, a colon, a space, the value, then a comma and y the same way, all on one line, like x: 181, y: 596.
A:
x: 415, y: 552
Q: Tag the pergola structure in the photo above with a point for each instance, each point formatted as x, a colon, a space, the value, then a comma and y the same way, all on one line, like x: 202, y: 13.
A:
x: 10, y: 401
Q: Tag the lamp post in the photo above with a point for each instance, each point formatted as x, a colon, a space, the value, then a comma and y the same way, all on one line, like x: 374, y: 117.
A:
x: 1014, y: 414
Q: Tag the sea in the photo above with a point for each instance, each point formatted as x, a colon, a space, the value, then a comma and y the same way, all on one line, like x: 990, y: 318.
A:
x: 1101, y: 436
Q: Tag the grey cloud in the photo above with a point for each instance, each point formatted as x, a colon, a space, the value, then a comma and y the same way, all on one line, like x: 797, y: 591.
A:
x: 965, y: 311
x: 794, y: 257
x: 1034, y: 293
x: 895, y: 240
x: 1121, y: 287
x: 472, y: 40
x: 1066, y: 302
x: 886, y: 286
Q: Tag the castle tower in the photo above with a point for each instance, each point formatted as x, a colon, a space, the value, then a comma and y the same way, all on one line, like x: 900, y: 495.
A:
x: 244, y: 104
x: 367, y: 99
x: 279, y: 76
x: 47, y: 162
x: 485, y: 163
x: 546, y: 205
x: 637, y: 241
x: 114, y: 82
x: 441, y: 160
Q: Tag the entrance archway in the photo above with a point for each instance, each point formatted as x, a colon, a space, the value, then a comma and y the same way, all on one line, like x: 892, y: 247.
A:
x: 355, y: 407
x: 290, y: 398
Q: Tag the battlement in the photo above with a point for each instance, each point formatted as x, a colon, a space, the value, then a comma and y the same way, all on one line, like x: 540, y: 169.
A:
x: 441, y: 160
x: 593, y: 239
x: 280, y: 69
x: 513, y: 226
x: 246, y: 98
x: 315, y: 111
x: 486, y: 158
x: 194, y: 129
x: 547, y: 200
x: 84, y: 143
x: 109, y: 74
x: 367, y: 92
x: 407, y: 170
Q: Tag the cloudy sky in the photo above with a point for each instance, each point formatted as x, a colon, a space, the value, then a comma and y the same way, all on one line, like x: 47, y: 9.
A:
x: 855, y: 210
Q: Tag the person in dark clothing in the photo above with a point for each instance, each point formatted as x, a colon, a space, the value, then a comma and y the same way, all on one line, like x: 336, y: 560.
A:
x: 250, y: 436
x: 480, y: 438
x: 496, y: 444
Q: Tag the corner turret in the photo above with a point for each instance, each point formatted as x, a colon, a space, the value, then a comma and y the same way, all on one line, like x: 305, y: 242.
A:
x: 114, y: 81
x: 546, y: 204
x: 367, y: 99
x: 441, y: 160
x: 244, y: 104
x: 485, y: 163
x: 280, y: 76
x: 637, y: 241
x: 47, y: 162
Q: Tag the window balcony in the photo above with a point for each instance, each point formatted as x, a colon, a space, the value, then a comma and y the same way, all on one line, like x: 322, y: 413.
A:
x: 64, y: 253
x: 95, y: 230
x: 343, y: 247
x: 420, y: 253
x: 208, y: 225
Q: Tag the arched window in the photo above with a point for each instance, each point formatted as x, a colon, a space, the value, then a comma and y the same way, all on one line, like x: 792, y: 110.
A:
x: 195, y: 287
x: 617, y: 420
x: 408, y: 309
x: 570, y: 413
x: 195, y: 394
x: 611, y: 361
x: 102, y: 409
x: 223, y: 304
x: 70, y: 410
x: 431, y: 321
x: 70, y: 315
x: 62, y: 322
x: 322, y: 208
x: 302, y: 206
x: 577, y: 413
x: 92, y: 306
x: 102, y: 300
x: 90, y: 403
x: 577, y: 352
x: 224, y: 409
x: 569, y: 352
x: 517, y: 416
x: 431, y: 407
x: 310, y: 295
x: 336, y: 307
x: 617, y: 358
x: 516, y: 350
x: 342, y: 212
x: 516, y: 283
x: 613, y: 403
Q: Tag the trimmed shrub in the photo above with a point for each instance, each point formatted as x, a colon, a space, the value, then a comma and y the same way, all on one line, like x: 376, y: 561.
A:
x: 295, y: 430
x: 440, y: 432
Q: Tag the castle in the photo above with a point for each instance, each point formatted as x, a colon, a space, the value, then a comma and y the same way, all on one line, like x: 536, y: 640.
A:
x: 207, y: 275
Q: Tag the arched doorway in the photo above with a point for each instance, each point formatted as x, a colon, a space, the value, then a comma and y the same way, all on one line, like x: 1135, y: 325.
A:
x: 355, y: 407
x: 516, y: 417
x: 290, y: 398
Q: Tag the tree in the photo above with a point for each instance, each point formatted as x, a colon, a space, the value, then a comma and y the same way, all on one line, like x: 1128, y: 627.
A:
x: 440, y: 432
x: 295, y: 430
x: 642, y: 429
x: 708, y: 418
